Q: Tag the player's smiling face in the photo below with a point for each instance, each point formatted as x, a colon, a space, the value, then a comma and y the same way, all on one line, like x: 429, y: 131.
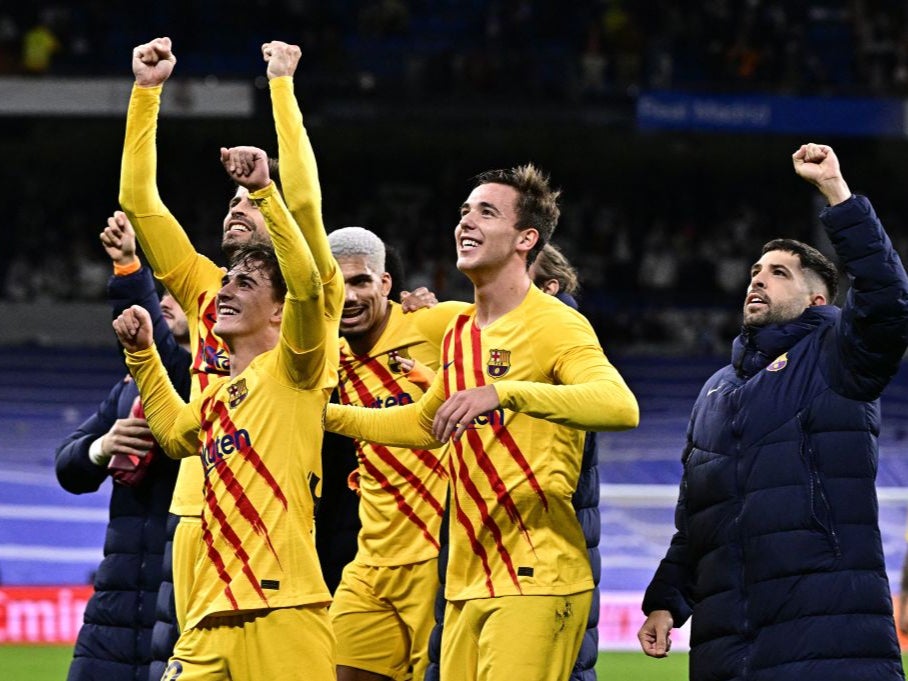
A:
x: 366, y: 299
x: 244, y: 223
x: 486, y: 235
x: 779, y: 290
x: 245, y: 302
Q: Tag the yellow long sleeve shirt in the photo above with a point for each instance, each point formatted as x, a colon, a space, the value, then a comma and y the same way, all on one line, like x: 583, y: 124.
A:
x: 513, y: 527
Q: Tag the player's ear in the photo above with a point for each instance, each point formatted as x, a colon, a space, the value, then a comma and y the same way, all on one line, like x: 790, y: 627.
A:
x: 277, y: 313
x: 527, y: 239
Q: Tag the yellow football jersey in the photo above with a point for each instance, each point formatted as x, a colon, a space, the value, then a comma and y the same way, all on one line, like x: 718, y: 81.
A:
x: 403, y: 490
x: 512, y: 474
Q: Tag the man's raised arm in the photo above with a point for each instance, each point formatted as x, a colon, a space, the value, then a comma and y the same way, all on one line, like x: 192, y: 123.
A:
x: 248, y: 166
x: 169, y: 417
x: 163, y: 240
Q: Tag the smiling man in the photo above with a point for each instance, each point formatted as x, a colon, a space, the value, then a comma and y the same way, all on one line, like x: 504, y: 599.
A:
x: 777, y: 556
x: 383, y: 609
x: 258, y: 591
x: 522, y: 376
x: 195, y: 280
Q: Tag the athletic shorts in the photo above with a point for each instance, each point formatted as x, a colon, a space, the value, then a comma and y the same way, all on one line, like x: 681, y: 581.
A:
x: 187, y: 547
x: 531, y: 638
x: 282, y: 644
x: 382, y: 617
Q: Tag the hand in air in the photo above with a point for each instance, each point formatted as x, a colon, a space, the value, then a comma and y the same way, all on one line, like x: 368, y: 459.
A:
x: 133, y: 328
x: 153, y: 62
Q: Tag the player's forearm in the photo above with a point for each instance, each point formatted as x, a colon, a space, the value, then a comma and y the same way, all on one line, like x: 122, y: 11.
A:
x: 406, y: 426
x: 603, y: 404
x: 161, y: 237
x: 138, y: 189
x: 164, y: 410
x: 302, y: 330
x: 299, y: 173
x: 292, y: 251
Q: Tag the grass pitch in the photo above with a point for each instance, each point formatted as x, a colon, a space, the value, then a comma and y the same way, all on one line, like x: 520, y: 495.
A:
x: 49, y: 663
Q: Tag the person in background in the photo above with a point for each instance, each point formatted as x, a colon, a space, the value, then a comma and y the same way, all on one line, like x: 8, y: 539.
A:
x: 115, y: 641
x: 553, y: 273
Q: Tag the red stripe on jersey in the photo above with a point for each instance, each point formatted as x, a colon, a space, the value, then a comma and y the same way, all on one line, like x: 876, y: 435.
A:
x: 431, y: 462
x: 402, y: 504
x: 232, y: 485
x: 217, y: 360
x: 501, y: 495
x: 218, y: 562
x: 391, y: 385
x: 506, y: 439
x: 478, y: 549
x: 460, y: 379
x: 385, y: 454
x: 252, y: 456
x: 246, y: 509
x: 362, y: 392
x: 482, y: 457
x: 387, y: 380
x: 366, y: 397
x: 231, y: 536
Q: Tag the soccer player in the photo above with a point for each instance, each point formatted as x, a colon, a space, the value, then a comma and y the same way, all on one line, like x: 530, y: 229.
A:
x: 257, y: 607
x: 522, y: 376
x: 195, y: 280
x: 382, y: 611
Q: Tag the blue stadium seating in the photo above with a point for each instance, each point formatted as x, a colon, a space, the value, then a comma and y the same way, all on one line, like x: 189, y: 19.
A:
x: 48, y: 536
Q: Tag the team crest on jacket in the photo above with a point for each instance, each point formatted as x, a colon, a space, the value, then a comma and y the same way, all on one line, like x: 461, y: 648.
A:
x: 394, y: 358
x: 237, y: 392
x: 499, y: 363
x: 779, y: 363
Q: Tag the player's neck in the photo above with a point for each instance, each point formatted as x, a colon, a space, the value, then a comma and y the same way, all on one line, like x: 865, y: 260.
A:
x: 244, y: 350
x: 496, y: 297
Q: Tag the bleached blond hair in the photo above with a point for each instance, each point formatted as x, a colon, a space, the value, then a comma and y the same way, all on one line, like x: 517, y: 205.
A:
x: 358, y: 242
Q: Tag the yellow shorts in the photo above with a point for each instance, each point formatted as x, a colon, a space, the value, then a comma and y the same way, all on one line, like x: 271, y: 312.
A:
x: 187, y: 547
x: 531, y: 638
x: 278, y: 645
x: 382, y: 617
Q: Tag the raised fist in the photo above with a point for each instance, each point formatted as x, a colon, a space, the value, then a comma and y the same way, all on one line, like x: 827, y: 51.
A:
x: 133, y: 328
x: 119, y: 239
x: 281, y: 57
x: 248, y: 166
x: 153, y: 62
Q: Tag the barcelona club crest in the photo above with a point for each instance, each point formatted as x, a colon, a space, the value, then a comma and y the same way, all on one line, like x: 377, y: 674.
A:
x: 499, y: 363
x: 394, y: 358
x: 237, y: 392
x: 779, y: 363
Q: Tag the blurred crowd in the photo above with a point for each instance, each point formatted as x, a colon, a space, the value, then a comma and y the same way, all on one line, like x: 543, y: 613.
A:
x: 583, y: 50
x: 664, y: 262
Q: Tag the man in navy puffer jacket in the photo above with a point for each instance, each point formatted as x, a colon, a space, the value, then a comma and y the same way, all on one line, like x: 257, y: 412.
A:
x: 115, y: 641
x: 777, y: 555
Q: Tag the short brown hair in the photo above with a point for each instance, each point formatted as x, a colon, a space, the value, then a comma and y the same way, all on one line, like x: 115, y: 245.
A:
x: 256, y: 256
x: 811, y: 259
x: 537, y: 202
